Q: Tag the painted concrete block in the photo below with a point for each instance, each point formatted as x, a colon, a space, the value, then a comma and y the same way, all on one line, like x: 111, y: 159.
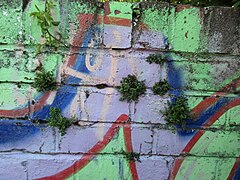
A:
x: 32, y: 166
x: 185, y: 29
x: 142, y: 139
x: 117, y: 25
x: 177, y: 28
x: 210, y: 76
x: 109, y: 67
x: 11, y: 22
x: 16, y: 65
x: 82, y: 23
x: 222, y: 29
x: 154, y: 167
x: 65, y: 98
x: 104, y: 105
x: 11, y: 167
x: 196, y: 142
x: 20, y: 65
x: 45, y: 165
x: 148, y: 108
x: 151, y: 26
x: 23, y: 135
x: 169, y: 142
x: 75, y: 140
x: 15, y: 100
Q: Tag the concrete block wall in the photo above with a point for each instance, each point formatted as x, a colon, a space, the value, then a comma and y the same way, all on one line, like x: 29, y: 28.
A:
x: 106, y: 42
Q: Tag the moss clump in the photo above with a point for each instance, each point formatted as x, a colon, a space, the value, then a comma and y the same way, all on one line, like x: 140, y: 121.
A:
x: 157, y: 59
x: 161, y: 87
x: 44, y: 81
x: 57, y: 120
x: 131, y: 88
x: 177, y: 112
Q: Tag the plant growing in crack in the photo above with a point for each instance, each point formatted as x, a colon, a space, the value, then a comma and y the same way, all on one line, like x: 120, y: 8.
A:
x: 57, y: 120
x: 46, y: 23
x: 161, y: 87
x: 44, y: 81
x: 131, y: 88
x: 131, y: 156
x: 177, y: 112
x: 157, y: 59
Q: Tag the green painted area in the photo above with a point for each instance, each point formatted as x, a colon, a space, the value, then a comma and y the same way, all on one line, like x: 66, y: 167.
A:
x: 10, y: 21
x: 220, y: 144
x: 16, y: 65
x: 120, y: 10
x: 19, y: 65
x: 52, y: 62
x: 107, y: 166
x: 223, y: 143
x: 193, y: 101
x: 207, y: 168
x: 182, y: 29
x: 13, y: 95
x: 234, y: 115
x: 195, y: 76
x: 185, y: 33
x: 157, y: 19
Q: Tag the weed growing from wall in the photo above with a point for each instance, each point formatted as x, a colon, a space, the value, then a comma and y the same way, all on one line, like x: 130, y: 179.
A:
x: 44, y: 81
x: 236, y: 3
x: 57, y: 120
x: 161, y: 87
x: 177, y: 112
x: 46, y: 23
x: 131, y: 88
x: 131, y: 156
x: 157, y: 59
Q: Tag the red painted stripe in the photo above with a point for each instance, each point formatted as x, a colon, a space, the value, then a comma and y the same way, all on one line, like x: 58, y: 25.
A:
x: 176, y: 165
x: 85, y: 21
x: 129, y: 149
x: 93, y: 152
x: 234, y: 169
x: 117, y: 21
x: 202, y: 106
x: 25, y: 111
x: 193, y: 141
x: 14, y: 113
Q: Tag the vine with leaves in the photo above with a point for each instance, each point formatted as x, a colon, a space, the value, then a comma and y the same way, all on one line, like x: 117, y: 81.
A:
x: 46, y: 23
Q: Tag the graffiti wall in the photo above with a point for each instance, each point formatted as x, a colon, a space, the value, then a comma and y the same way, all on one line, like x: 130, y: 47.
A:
x: 113, y: 139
